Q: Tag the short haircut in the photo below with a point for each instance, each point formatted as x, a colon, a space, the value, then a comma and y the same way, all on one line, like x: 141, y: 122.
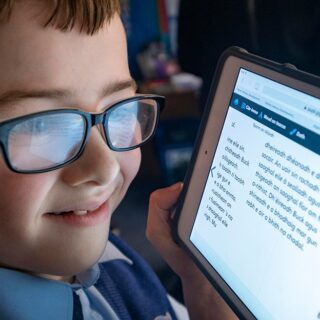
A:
x: 64, y: 14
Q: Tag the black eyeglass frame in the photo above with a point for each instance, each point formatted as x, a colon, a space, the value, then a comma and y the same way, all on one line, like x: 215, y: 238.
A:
x: 91, y: 119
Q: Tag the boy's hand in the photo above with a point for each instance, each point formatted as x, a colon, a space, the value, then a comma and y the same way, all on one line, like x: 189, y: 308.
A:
x: 202, y: 300
x: 159, y: 230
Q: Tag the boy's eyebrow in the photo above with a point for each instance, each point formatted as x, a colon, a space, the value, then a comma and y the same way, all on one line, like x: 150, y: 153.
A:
x: 16, y: 95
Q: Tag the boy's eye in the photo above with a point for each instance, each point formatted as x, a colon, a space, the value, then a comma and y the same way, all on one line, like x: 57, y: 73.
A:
x: 38, y: 125
x: 31, y: 126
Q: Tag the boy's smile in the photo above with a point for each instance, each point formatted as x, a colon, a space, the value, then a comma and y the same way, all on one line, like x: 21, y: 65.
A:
x: 57, y: 223
x: 98, y: 213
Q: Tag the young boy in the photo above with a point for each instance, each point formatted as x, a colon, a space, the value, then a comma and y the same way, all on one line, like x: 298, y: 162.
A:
x: 70, y: 130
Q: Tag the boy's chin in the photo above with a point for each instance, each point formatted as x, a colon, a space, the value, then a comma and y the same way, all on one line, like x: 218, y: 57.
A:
x: 66, y: 271
x: 63, y: 266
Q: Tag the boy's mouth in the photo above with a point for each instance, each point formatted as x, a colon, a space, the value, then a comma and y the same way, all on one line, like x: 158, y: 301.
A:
x: 76, y: 212
x: 80, y: 211
x: 81, y: 217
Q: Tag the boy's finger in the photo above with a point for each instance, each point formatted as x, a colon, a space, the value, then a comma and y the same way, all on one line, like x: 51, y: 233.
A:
x: 160, y: 205
x: 163, y: 200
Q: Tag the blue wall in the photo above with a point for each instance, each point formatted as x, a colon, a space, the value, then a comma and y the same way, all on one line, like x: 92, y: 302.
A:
x: 140, y: 18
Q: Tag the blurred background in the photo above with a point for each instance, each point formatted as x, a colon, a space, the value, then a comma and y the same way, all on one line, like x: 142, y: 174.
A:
x: 173, y: 48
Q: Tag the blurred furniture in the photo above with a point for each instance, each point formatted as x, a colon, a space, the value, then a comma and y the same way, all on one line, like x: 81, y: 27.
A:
x: 167, y: 157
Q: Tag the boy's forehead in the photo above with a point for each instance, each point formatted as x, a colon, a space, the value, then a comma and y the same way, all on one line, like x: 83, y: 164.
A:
x: 27, y: 26
x: 32, y: 10
x: 30, y: 52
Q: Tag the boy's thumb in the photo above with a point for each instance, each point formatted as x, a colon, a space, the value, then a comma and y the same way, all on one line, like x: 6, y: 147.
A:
x: 164, y: 199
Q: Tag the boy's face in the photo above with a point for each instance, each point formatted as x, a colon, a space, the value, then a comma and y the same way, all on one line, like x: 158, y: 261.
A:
x: 50, y: 70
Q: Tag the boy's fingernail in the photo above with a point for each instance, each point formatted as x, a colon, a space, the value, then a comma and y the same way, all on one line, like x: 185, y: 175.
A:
x: 176, y: 186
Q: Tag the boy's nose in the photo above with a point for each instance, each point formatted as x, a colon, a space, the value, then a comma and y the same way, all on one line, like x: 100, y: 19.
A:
x: 97, y: 164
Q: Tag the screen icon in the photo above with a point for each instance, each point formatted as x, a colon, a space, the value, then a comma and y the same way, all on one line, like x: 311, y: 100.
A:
x: 293, y: 131
x: 212, y: 169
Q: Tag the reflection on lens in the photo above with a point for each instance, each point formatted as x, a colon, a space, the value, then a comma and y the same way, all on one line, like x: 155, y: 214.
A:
x: 45, y: 141
x: 132, y: 123
x: 121, y: 125
x: 147, y: 118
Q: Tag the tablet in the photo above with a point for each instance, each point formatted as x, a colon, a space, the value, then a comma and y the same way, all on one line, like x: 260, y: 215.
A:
x: 249, y: 213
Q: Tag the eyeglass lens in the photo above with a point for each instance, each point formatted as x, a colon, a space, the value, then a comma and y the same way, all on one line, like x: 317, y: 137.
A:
x: 49, y: 140
x: 131, y: 124
x: 45, y: 141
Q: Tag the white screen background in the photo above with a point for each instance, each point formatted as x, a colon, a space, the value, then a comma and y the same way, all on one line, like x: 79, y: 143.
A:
x: 274, y: 277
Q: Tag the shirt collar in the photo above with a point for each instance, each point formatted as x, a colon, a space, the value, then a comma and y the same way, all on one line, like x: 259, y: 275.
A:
x: 25, y: 296
x: 31, y: 297
x: 90, y: 276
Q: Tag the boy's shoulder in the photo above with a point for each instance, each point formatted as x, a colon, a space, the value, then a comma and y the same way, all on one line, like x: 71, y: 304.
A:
x: 130, y: 285
x: 122, y: 278
x: 25, y: 296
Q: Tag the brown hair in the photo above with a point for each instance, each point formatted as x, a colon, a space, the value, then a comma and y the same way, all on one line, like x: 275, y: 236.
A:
x: 63, y: 14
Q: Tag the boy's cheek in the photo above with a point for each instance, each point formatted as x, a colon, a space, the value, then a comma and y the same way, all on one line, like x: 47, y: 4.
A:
x: 130, y: 164
x: 20, y: 201
x: 23, y: 189
x: 20, y: 191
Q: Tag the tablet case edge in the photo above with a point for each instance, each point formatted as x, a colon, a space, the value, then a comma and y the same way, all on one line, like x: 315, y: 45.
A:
x: 283, y: 68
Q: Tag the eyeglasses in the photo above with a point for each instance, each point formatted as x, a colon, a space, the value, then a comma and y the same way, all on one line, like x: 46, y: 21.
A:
x: 49, y: 140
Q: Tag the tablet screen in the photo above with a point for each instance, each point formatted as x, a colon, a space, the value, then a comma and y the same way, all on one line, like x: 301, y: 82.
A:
x: 259, y: 217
